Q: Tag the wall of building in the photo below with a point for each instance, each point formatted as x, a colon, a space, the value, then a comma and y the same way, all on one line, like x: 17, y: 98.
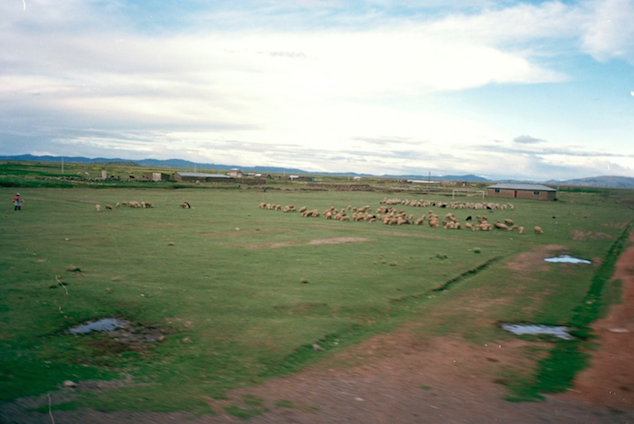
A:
x: 522, y: 194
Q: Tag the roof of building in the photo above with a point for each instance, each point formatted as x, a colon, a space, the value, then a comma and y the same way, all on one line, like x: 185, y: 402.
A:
x: 201, y: 175
x: 531, y: 187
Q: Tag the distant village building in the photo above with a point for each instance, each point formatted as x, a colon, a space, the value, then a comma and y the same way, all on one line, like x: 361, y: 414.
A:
x: 423, y: 181
x: 197, y: 176
x: 301, y: 178
x: 236, y: 173
x: 156, y: 176
x: 522, y: 191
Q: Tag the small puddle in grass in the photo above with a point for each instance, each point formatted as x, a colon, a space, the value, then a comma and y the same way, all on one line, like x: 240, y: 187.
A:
x: 519, y: 329
x: 567, y: 259
x: 104, y: 325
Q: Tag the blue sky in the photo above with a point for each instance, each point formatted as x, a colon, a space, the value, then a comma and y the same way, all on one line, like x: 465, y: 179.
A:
x: 503, y: 89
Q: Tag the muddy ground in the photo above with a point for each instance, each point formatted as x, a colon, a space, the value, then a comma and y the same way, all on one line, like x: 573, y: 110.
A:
x: 399, y: 378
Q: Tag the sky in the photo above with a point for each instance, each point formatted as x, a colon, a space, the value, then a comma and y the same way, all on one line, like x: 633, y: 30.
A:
x: 531, y: 90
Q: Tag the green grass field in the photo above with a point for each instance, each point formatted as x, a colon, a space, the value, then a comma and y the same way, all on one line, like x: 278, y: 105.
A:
x: 238, y: 294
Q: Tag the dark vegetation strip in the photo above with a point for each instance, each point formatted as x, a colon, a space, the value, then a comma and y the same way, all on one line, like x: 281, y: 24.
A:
x: 467, y: 273
x: 556, y: 372
x: 445, y: 286
x: 304, y: 354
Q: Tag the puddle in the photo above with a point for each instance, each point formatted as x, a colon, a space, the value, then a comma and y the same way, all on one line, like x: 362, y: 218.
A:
x: 567, y: 259
x: 103, y: 325
x: 519, y: 329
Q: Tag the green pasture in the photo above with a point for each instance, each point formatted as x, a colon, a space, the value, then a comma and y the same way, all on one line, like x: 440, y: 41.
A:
x: 235, y: 294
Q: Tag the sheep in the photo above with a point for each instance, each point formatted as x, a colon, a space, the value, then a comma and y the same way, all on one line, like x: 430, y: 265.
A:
x: 501, y: 226
x: 125, y: 203
x: 117, y: 205
x: 185, y: 205
x: 401, y: 221
x: 520, y: 230
x: 262, y: 205
x: 508, y: 221
x: 302, y: 209
x: 309, y: 213
x: 134, y: 204
x: 108, y: 206
x: 420, y: 220
x: 538, y: 230
x: 469, y: 226
x: 97, y: 208
x: 147, y: 204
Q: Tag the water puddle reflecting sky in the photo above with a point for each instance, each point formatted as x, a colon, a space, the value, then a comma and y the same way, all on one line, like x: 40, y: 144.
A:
x: 519, y: 329
x: 567, y: 259
x: 103, y: 325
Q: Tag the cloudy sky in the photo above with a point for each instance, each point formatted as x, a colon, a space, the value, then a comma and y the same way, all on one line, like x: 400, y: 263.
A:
x: 503, y: 89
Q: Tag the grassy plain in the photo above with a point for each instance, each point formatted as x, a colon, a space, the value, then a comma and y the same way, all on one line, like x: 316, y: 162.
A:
x: 235, y: 294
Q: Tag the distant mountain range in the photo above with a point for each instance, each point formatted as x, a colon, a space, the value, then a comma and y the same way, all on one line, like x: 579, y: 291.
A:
x: 600, y: 181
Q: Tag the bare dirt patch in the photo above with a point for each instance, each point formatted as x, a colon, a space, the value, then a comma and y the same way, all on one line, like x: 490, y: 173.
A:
x: 534, y: 259
x: 590, y: 235
x: 339, y: 240
x: 334, y: 240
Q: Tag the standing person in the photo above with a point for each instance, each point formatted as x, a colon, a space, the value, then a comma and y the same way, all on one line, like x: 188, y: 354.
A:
x: 17, y: 201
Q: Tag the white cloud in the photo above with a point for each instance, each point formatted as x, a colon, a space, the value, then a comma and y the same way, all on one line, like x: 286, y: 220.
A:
x: 610, y: 31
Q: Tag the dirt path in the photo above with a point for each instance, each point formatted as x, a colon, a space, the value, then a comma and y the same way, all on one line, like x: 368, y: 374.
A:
x: 609, y: 380
x: 400, y: 378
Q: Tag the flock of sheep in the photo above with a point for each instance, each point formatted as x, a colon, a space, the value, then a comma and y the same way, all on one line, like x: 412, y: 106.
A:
x: 389, y: 215
x: 133, y: 204
x: 449, y: 205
